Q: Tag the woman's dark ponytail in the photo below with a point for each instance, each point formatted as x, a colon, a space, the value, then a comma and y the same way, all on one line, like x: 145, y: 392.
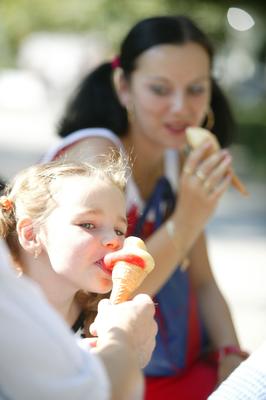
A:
x: 95, y: 104
x: 224, y: 122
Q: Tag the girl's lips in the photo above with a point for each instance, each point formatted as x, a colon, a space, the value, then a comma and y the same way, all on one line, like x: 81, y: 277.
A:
x: 100, y: 263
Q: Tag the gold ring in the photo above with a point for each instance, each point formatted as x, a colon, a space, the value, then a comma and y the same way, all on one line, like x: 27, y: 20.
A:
x: 200, y: 175
x: 206, y: 186
x: 187, y: 170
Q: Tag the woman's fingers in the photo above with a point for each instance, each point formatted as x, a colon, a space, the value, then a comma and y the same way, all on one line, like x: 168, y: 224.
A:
x: 220, y: 188
x: 214, y: 171
x: 207, y: 172
x: 195, y: 158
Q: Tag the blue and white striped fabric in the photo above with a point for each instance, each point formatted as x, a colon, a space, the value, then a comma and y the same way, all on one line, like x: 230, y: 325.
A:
x: 247, y: 382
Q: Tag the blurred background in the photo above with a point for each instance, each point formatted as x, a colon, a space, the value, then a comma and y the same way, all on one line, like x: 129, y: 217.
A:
x: 47, y: 46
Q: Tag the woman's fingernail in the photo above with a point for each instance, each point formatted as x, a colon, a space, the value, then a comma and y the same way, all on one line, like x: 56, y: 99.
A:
x: 225, y: 153
x: 228, y: 158
x: 207, y: 144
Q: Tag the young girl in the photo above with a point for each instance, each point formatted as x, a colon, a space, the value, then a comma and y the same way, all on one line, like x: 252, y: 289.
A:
x: 59, y: 221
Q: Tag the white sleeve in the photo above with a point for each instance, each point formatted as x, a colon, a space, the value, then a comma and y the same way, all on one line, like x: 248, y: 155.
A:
x: 76, y: 136
x: 39, y: 357
x: 247, y: 382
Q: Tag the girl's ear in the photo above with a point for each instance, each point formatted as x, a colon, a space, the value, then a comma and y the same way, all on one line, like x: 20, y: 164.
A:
x: 27, y: 236
x: 121, y: 86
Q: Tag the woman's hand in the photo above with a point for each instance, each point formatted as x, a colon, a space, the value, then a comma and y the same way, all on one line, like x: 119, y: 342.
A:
x: 203, y: 182
x: 227, y: 365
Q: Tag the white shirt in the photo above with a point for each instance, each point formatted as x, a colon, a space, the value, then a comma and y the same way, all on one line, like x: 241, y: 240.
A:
x: 39, y: 357
x: 247, y: 382
x: 133, y: 197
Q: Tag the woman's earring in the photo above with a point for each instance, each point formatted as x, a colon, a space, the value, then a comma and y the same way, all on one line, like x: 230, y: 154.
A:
x: 210, y: 119
x: 130, y: 113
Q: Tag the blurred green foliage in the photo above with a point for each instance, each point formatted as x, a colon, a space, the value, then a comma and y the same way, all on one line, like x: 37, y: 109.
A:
x: 113, y: 18
x: 252, y: 134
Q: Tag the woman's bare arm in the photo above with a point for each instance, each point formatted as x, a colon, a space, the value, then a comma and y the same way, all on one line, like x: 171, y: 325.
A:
x: 213, y: 307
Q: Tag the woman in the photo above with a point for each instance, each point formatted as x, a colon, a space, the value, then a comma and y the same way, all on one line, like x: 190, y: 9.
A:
x: 142, y: 102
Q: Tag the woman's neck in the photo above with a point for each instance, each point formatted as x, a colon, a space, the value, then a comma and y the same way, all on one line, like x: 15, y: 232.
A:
x: 148, y: 163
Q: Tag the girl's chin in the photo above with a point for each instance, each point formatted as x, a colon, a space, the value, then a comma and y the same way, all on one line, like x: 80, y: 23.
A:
x: 105, y: 286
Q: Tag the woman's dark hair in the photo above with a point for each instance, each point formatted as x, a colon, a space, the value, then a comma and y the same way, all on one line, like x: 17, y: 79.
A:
x: 95, y: 103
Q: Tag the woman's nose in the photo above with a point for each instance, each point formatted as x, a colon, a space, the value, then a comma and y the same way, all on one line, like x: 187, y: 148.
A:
x: 111, y: 241
x: 177, y: 102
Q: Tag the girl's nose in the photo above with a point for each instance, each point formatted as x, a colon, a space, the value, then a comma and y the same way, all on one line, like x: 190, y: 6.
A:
x: 111, y: 241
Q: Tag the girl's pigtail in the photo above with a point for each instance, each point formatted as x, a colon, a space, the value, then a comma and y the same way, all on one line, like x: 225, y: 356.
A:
x: 7, y: 216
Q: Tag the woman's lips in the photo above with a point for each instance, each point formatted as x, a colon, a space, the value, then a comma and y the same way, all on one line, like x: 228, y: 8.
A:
x: 176, y: 129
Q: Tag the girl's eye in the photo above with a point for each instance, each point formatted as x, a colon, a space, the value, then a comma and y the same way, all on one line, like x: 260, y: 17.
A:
x: 88, y: 225
x: 160, y: 90
x: 119, y: 233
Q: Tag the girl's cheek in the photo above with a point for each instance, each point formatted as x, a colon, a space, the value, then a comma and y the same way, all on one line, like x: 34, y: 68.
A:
x: 121, y: 241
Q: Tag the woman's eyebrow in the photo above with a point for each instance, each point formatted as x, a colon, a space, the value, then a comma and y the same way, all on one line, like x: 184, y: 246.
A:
x: 202, y: 78
x: 165, y: 79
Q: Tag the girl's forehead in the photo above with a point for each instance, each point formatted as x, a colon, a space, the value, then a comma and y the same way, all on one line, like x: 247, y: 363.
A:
x: 79, y: 189
x: 80, y: 183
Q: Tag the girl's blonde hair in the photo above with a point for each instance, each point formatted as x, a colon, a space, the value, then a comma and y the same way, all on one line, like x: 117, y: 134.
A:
x: 31, y: 194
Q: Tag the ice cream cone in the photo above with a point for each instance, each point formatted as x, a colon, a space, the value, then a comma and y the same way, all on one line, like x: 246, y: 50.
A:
x: 126, y: 278
x: 196, y: 136
x: 130, y: 265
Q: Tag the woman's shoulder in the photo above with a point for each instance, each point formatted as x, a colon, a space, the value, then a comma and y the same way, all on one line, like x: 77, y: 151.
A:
x: 83, y: 143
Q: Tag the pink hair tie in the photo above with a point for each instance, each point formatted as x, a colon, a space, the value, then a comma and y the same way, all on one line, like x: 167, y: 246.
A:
x: 115, y: 63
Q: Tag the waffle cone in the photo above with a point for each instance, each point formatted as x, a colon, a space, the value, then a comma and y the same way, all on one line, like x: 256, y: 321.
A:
x: 196, y: 136
x: 126, y: 278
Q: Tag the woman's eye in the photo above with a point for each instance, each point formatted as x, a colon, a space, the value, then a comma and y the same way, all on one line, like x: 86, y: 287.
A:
x: 88, y: 225
x: 196, y: 89
x: 160, y: 90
